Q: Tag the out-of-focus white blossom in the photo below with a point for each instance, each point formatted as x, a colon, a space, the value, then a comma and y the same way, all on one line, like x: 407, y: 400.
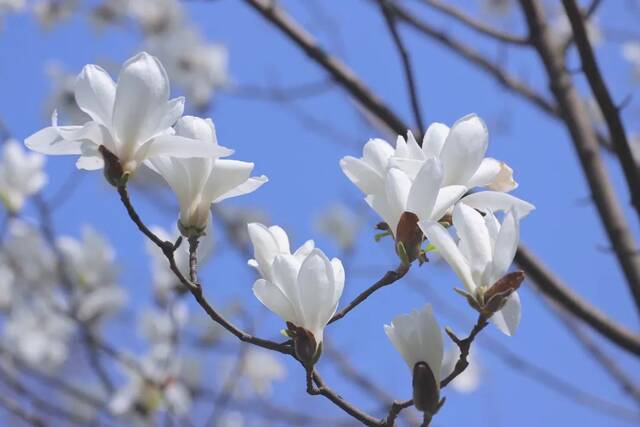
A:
x: 165, y: 283
x: 561, y: 29
x: 157, y: 16
x: 132, y: 119
x: 198, y: 183
x: 195, y: 65
x: 92, y: 265
x: 21, y: 175
x: 231, y: 419
x: 28, y: 254
x: 7, y: 283
x: 469, y: 380
x: 339, y: 223
x: 631, y: 52
x: 38, y: 335
x: 260, y: 369
x: 62, y: 96
x: 481, y: 257
x: 52, y: 12
x: 303, y: 288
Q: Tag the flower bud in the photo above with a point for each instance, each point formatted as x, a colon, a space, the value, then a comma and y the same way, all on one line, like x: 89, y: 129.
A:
x: 113, y: 171
x: 409, y: 239
x: 496, y: 296
x: 191, y: 231
x: 304, y: 344
x: 426, y: 389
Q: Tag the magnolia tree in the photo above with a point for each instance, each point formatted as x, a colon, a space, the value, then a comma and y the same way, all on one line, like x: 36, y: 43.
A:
x: 437, y: 196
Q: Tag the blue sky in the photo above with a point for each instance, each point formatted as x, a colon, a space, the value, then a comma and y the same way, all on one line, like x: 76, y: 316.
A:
x: 305, y: 178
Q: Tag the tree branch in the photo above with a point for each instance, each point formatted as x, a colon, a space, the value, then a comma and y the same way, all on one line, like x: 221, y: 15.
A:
x: 465, y: 346
x: 389, y: 278
x: 586, y: 144
x: 339, y: 71
x: 610, y: 111
x: 478, y: 26
x: 390, y: 20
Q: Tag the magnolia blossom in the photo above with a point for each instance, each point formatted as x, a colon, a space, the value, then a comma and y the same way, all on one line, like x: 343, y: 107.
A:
x: 481, y: 257
x: 132, y: 119
x: 29, y: 255
x: 62, y: 96
x: 92, y: 264
x: 302, y: 288
x: 7, y: 282
x: 52, y: 12
x: 157, y: 16
x: 21, y: 175
x: 200, y: 182
x: 418, y: 339
x: 429, y: 179
x: 262, y: 368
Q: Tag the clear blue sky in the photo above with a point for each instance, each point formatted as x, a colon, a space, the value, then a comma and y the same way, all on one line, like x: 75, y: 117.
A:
x: 305, y: 178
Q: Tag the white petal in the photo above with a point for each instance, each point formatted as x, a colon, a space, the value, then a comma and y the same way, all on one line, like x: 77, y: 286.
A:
x: 474, y: 237
x: 316, y: 282
x: 281, y: 238
x: 49, y: 141
x: 449, y: 251
x: 95, y: 93
x: 225, y: 176
x: 414, y: 150
x: 493, y: 201
x: 487, y: 171
x: 434, y: 138
x: 409, y: 166
x: 377, y: 152
x: 380, y: 205
x: 425, y: 189
x: 182, y: 148
x: 249, y: 186
x: 273, y: 298
x: 397, y: 187
x: 506, y: 245
x: 431, y: 343
x: 143, y: 88
x: 464, y: 149
x: 363, y: 175
x: 447, y: 197
x: 90, y: 163
x: 508, y: 319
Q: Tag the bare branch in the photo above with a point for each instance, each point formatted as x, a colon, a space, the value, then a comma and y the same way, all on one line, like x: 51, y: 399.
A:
x: 339, y: 71
x: 390, y: 20
x: 389, y: 278
x: 586, y: 144
x: 464, y: 345
x: 555, y: 289
x: 478, y: 26
x: 610, y: 111
x: 14, y: 407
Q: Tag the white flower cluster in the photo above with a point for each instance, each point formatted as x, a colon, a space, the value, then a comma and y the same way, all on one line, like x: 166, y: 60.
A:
x: 421, y: 191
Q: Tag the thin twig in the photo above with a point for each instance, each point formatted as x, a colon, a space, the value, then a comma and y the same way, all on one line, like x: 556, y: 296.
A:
x: 14, y: 407
x: 610, y: 111
x: 412, y: 89
x: 464, y: 345
x: 478, y: 26
x: 389, y: 278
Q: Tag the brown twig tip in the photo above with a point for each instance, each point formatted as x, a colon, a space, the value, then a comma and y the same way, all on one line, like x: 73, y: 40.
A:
x: 464, y: 345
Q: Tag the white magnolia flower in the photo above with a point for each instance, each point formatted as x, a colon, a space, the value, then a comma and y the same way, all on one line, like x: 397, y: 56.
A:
x: 303, y: 288
x: 418, y: 339
x: 195, y: 65
x: 450, y: 161
x: 92, y: 263
x: 132, y: 119
x: 469, y: 380
x: 631, y: 52
x: 269, y: 242
x: 21, y: 175
x: 200, y: 182
x: 481, y: 257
